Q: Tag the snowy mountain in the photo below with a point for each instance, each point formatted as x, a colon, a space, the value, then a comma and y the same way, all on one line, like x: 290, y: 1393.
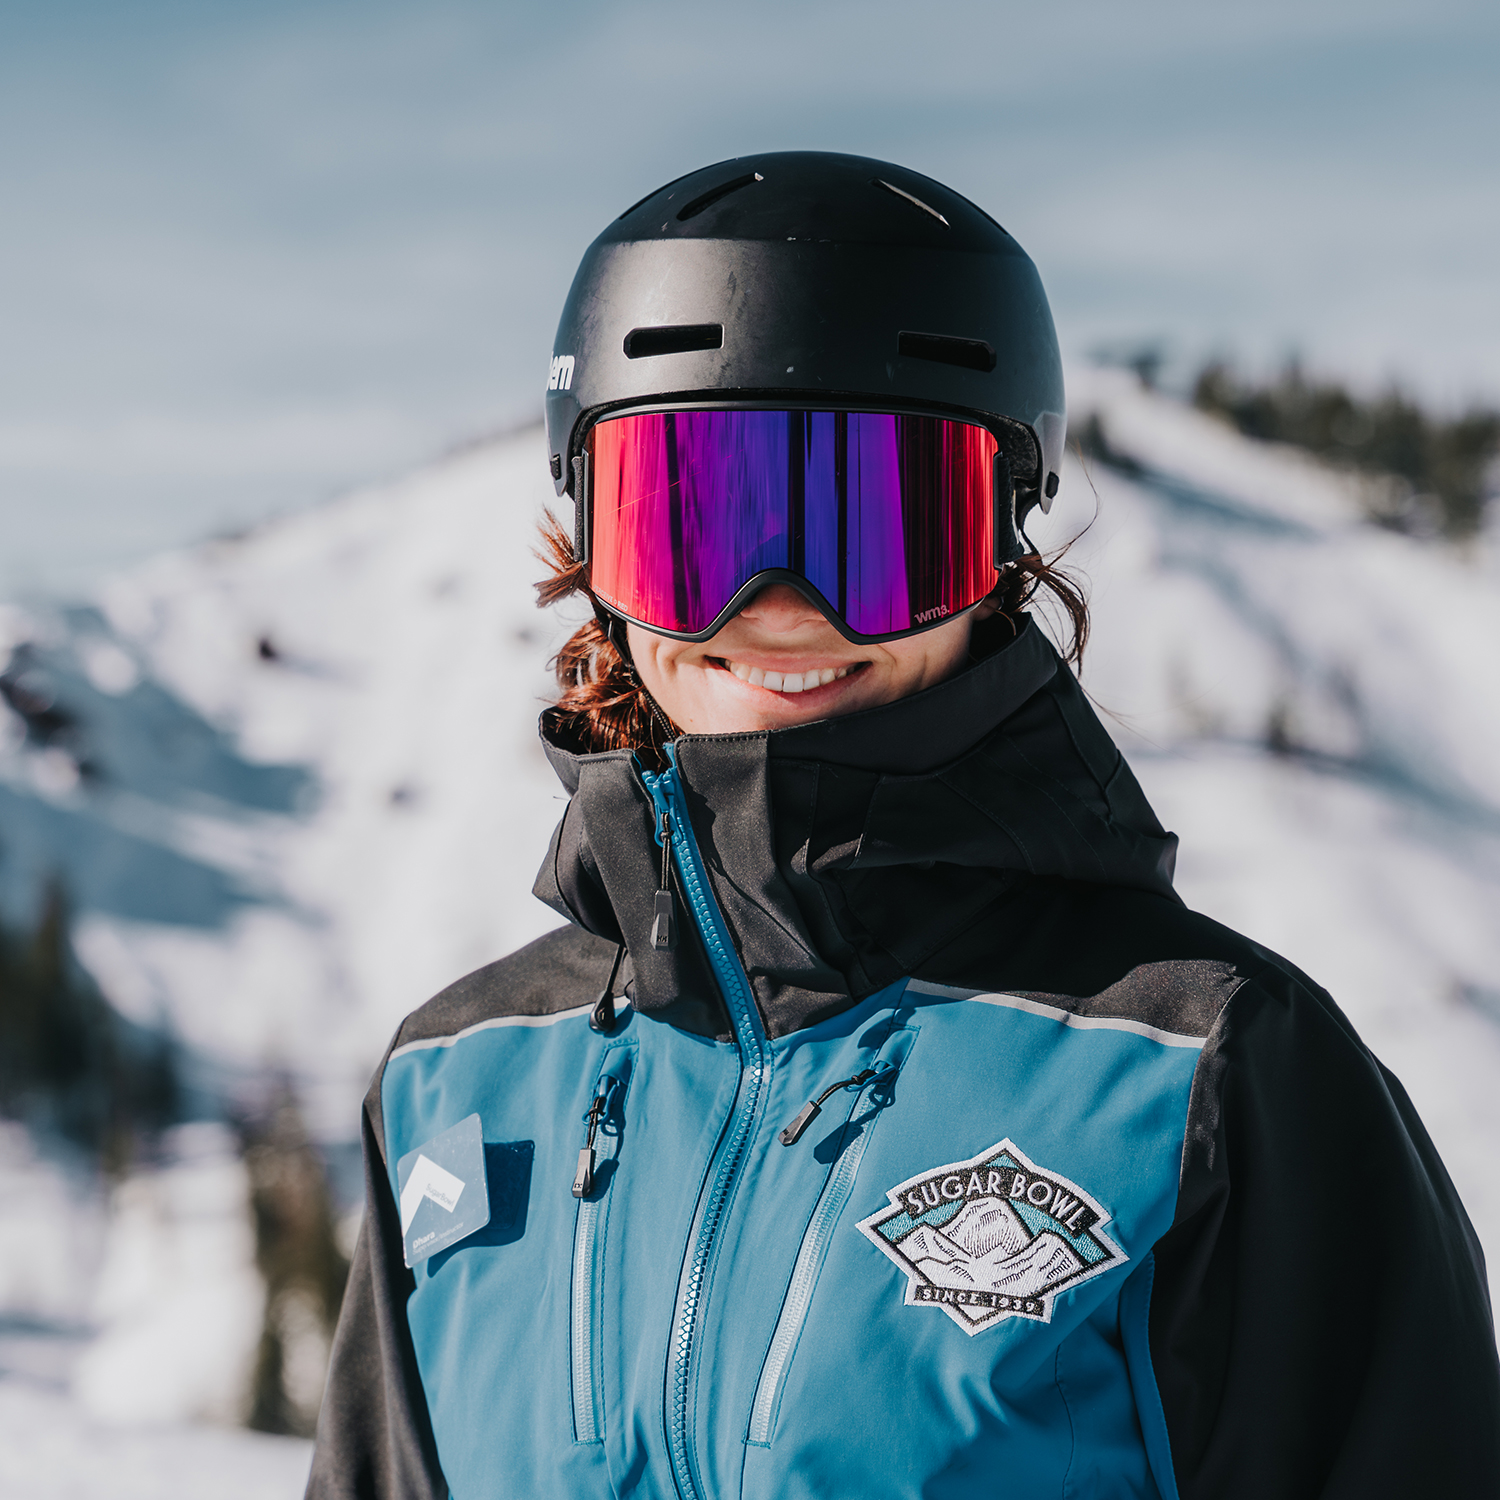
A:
x: 987, y: 1247
x: 928, y: 1248
x: 292, y: 784
x: 296, y: 786
x: 982, y: 1228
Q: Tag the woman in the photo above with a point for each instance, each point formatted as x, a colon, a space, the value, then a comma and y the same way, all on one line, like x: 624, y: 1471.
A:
x: 882, y: 1123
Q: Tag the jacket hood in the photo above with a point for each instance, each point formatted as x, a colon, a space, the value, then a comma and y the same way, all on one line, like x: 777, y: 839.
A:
x: 846, y: 853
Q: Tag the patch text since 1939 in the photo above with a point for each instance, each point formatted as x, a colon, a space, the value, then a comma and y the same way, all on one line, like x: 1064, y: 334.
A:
x: 993, y: 1237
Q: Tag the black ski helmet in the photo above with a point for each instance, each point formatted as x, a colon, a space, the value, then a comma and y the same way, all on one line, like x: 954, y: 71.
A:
x: 808, y: 276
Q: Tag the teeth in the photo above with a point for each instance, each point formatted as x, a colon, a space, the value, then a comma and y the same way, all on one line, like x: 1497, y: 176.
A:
x: 788, y: 682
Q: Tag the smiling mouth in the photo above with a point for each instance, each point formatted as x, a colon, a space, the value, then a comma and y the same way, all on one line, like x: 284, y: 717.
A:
x: 789, y: 682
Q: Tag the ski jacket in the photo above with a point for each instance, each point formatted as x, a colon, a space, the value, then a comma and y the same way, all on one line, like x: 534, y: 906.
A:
x: 943, y: 1152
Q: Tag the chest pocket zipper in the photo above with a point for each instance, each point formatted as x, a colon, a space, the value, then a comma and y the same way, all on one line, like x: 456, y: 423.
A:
x: 825, y: 1219
x: 603, y: 1122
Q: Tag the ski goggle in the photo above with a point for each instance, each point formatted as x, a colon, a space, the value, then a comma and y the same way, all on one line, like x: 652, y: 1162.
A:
x: 887, y: 523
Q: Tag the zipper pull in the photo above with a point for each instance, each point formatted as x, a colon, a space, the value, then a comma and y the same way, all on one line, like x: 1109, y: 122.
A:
x: 664, y: 922
x: 583, y: 1178
x: 793, y: 1133
x: 603, y: 1017
x: 814, y: 1107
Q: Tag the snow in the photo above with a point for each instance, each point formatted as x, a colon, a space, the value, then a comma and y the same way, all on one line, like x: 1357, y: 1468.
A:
x: 1213, y: 613
x: 409, y: 668
x: 50, y: 1233
x: 303, y: 792
x: 49, y: 1450
x: 357, y: 803
x: 179, y: 1301
x: 117, y: 1332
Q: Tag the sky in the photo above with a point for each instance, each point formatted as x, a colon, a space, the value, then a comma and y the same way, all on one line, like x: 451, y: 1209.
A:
x: 255, y: 255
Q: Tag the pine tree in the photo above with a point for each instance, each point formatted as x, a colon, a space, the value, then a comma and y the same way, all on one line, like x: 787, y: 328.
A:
x: 69, y: 1064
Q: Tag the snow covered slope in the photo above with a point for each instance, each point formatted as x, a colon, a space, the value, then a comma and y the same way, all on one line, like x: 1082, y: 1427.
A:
x: 50, y: 1450
x: 311, y: 792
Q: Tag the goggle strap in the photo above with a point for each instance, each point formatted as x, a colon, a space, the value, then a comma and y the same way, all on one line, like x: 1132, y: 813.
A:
x: 613, y: 629
x: 581, y: 508
x: 1007, y: 530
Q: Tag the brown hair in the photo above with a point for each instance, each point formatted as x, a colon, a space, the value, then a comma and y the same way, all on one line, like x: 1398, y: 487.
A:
x: 605, y: 706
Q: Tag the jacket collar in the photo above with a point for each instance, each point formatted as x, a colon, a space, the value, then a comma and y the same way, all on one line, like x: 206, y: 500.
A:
x: 845, y: 853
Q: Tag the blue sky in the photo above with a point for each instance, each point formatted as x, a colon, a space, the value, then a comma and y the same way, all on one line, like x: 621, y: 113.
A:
x: 256, y: 254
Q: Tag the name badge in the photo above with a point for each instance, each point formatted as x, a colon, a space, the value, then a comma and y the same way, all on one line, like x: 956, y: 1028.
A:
x: 442, y: 1191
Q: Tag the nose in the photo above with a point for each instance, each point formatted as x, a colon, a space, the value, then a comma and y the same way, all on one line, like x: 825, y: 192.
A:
x: 780, y: 609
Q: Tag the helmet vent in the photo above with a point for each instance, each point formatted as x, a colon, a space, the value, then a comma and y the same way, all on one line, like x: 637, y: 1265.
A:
x: 942, y: 349
x: 681, y: 338
x: 926, y: 208
x: 712, y: 196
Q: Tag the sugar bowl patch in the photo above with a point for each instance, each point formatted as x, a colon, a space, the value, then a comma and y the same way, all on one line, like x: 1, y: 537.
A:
x: 993, y: 1237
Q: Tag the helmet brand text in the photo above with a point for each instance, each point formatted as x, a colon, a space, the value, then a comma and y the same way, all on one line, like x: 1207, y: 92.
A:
x: 561, y: 376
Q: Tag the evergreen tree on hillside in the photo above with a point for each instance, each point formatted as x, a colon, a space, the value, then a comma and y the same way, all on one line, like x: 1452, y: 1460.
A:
x: 1440, y: 471
x: 299, y: 1257
x: 69, y: 1064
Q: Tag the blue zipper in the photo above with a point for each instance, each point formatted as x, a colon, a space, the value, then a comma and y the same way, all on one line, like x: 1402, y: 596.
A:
x: 814, y: 1247
x: 724, y: 1170
x: 586, y: 1348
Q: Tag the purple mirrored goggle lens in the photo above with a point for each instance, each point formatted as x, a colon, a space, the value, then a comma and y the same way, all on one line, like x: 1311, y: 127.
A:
x: 890, y: 518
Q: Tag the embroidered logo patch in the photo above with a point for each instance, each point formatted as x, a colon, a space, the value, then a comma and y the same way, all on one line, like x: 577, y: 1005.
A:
x: 993, y: 1237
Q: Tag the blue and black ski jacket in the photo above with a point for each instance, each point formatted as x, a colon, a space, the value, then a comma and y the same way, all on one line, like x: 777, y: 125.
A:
x: 918, y: 1142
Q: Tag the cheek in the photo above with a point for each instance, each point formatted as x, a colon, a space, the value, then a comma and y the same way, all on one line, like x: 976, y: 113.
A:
x: 657, y: 662
x: 924, y: 660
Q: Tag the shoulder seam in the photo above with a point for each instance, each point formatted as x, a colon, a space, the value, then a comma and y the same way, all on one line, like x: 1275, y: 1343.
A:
x: 1254, y: 977
x: 1058, y: 1014
x: 622, y: 1002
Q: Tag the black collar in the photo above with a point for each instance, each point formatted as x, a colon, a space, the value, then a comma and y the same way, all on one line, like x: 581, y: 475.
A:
x: 846, y: 853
